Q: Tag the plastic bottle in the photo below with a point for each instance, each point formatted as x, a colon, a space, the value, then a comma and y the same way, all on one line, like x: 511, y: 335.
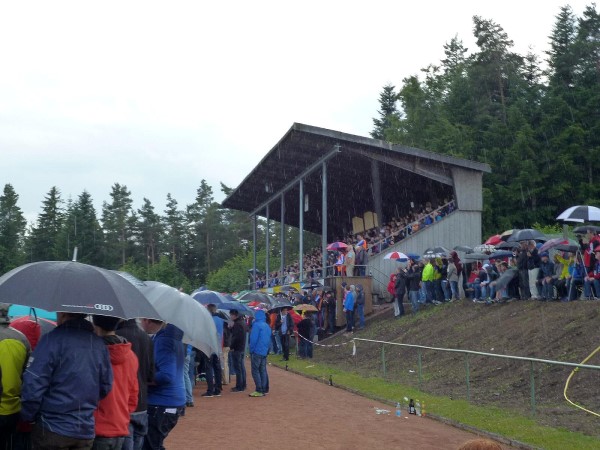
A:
x: 330, y: 380
x: 411, y: 407
x: 398, y: 409
x: 418, y: 408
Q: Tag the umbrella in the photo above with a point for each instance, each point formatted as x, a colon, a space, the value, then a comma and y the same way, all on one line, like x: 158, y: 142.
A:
x: 185, y: 313
x: 585, y: 228
x: 506, y: 278
x: 306, y: 308
x: 256, y: 296
x: 288, y: 289
x: 73, y: 287
x: 279, y: 304
x: 240, y: 308
x: 313, y: 284
x: 437, y: 250
x: 208, y: 297
x: 501, y: 254
x: 527, y: 234
x: 569, y: 248
x: 477, y: 257
x: 463, y: 248
x: 398, y: 256
x: 258, y: 272
x: 484, y: 248
x: 413, y: 256
x: 493, y: 240
x: 46, y: 325
x: 508, y: 233
x: 336, y: 246
x: 21, y: 310
x: 553, y: 243
x: 580, y: 213
x: 507, y: 245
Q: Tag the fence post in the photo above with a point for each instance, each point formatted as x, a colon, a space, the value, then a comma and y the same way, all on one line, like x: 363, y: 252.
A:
x: 420, y: 368
x: 532, y: 383
x: 468, y: 377
x: 383, y: 360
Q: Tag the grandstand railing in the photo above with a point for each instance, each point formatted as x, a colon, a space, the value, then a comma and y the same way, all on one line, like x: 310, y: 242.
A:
x: 466, y: 353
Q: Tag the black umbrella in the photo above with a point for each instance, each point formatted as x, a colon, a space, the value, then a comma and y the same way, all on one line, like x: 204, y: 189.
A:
x: 580, y: 213
x: 437, y: 251
x: 585, y: 228
x: 73, y: 287
x: 242, y: 309
x: 463, y: 248
x: 313, y: 284
x: 527, y: 234
x: 258, y: 272
x: 501, y: 254
x: 209, y: 297
x: 567, y: 248
x: 507, y: 245
x: 506, y: 278
x: 288, y: 289
x: 279, y: 304
x: 476, y: 257
x: 260, y: 297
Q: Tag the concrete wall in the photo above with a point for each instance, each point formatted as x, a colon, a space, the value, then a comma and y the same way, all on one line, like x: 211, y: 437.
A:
x: 468, y: 189
x: 458, y: 228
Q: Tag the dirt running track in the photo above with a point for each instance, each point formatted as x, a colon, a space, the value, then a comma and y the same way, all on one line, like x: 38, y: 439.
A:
x: 303, y: 413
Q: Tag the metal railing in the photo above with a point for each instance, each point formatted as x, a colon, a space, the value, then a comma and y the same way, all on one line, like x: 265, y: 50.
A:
x: 466, y: 353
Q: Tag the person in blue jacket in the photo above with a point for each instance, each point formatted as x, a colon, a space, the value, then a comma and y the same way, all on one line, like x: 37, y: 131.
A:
x: 349, y: 308
x: 260, y: 339
x: 68, y: 373
x: 166, y: 396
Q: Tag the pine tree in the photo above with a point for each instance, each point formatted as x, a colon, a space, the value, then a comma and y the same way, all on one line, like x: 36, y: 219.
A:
x: 12, y: 230
x: 387, y: 112
x: 175, y: 230
x: 150, y: 231
x: 117, y: 224
x: 45, y: 234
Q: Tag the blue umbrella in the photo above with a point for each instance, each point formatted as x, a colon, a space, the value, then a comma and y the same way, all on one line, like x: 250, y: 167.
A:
x: 413, y: 256
x: 20, y: 311
x: 242, y: 309
x: 501, y: 254
x: 208, y: 297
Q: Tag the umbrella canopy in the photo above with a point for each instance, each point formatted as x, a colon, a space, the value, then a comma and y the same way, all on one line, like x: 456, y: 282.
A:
x: 569, y: 248
x: 483, y: 248
x: 306, y: 308
x: 463, y: 248
x: 281, y: 303
x: 507, y: 245
x: 476, y: 257
x: 585, y: 228
x: 580, y: 213
x: 288, y: 289
x: 185, y: 313
x: 208, y: 297
x: 501, y: 254
x: 46, y: 325
x: 493, y: 240
x: 506, y: 278
x: 239, y: 307
x: 552, y: 243
x: 507, y: 234
x: 256, y: 296
x: 21, y: 310
x: 398, y: 256
x: 311, y: 285
x: 337, y: 246
x: 527, y: 234
x: 73, y: 287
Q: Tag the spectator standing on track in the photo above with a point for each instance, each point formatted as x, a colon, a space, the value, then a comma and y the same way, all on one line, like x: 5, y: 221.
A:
x: 214, y: 378
x: 260, y: 338
x: 238, y: 348
x: 285, y: 326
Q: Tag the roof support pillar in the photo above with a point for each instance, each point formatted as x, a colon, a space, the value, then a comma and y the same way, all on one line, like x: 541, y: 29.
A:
x: 376, y: 187
x: 267, y: 243
x: 282, y: 266
x: 324, y: 219
x: 301, y: 231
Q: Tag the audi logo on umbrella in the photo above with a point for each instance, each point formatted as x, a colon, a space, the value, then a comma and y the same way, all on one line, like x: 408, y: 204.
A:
x: 102, y: 307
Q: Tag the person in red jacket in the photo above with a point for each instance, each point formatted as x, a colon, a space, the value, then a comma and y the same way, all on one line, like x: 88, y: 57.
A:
x: 112, y: 415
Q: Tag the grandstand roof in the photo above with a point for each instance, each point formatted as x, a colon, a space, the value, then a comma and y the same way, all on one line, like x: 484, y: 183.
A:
x: 407, y: 174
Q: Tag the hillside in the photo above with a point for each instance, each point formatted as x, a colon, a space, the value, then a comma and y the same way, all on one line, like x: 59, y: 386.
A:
x: 556, y: 331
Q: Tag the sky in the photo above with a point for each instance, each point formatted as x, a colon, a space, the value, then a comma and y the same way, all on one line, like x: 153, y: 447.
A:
x: 160, y: 95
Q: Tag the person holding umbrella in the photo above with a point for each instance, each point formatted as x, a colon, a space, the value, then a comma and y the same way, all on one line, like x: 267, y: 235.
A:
x: 284, y: 325
x: 238, y: 346
x: 63, y: 384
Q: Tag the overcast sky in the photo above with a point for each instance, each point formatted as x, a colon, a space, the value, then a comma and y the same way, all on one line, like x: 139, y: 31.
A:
x: 159, y: 95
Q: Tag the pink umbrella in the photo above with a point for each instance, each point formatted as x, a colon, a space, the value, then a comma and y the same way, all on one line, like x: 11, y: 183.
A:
x: 337, y: 246
x: 552, y: 243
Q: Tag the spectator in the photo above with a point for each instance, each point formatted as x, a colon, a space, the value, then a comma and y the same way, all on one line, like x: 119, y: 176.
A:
x: 166, y: 395
x: 350, y: 261
x: 592, y: 280
x: 453, y: 272
x: 360, y: 305
x: 238, y: 347
x: 260, y: 337
x: 400, y: 290
x: 305, y: 332
x: 349, y: 308
x: 141, y: 344
x: 533, y: 266
x: 413, y: 275
x: 427, y: 279
x: 561, y: 275
x: 284, y: 325
x: 63, y: 384
x: 522, y: 266
x: 331, y: 303
x: 546, y: 277
x: 112, y: 415
x: 214, y: 377
x: 14, y: 352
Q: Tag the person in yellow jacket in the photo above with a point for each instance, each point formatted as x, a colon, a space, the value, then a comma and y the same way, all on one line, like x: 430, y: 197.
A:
x: 14, y: 351
x: 427, y: 278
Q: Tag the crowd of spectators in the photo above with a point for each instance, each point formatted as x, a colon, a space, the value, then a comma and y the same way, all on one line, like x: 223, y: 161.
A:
x: 373, y: 241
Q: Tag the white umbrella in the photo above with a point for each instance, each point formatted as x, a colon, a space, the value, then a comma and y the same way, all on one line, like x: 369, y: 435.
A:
x: 186, y: 314
x: 580, y: 213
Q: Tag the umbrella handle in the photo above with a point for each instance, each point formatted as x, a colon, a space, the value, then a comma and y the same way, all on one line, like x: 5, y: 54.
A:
x: 33, y: 313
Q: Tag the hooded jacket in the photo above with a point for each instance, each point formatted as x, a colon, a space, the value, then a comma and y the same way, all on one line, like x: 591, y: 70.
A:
x: 428, y: 272
x: 112, y: 415
x: 14, y: 350
x: 68, y: 373
x: 168, y: 390
x: 260, y: 336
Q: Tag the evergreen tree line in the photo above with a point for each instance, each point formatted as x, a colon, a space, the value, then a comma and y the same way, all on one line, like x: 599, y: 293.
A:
x: 178, y: 246
x: 535, y: 122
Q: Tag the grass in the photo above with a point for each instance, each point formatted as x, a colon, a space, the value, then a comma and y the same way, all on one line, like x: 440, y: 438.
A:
x: 495, y: 420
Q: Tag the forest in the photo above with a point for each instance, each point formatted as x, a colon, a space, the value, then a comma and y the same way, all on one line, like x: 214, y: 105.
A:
x: 534, y: 119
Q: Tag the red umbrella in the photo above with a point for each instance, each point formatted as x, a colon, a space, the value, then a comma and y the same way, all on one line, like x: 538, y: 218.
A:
x: 494, y: 240
x: 337, y: 246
